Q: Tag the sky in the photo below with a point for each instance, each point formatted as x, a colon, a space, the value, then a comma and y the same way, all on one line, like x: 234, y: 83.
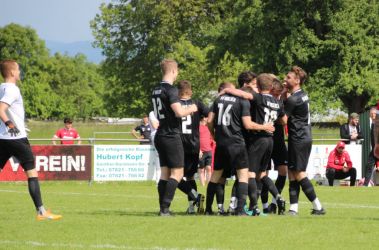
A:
x: 55, y: 20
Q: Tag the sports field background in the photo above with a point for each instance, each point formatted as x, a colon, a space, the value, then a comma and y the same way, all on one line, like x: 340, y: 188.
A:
x: 123, y: 215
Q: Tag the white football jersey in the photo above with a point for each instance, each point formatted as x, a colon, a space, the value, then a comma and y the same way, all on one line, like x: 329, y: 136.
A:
x: 11, y: 95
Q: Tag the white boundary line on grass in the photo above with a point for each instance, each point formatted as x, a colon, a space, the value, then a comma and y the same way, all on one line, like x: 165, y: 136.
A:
x: 91, y: 246
x: 327, y: 204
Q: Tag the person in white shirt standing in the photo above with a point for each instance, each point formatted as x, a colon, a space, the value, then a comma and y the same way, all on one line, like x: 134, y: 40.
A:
x: 13, y: 137
x: 154, y: 124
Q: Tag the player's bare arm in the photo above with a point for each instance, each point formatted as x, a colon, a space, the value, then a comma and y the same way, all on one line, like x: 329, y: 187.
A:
x: 210, y: 123
x: 250, y: 125
x: 237, y: 92
x: 283, y: 120
x: 180, y: 111
x: 3, y: 108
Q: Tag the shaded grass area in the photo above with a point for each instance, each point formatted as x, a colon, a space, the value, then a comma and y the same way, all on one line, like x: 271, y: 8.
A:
x: 123, y: 215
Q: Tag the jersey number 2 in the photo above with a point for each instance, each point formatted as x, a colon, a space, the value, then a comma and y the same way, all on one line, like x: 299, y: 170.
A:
x: 157, y: 103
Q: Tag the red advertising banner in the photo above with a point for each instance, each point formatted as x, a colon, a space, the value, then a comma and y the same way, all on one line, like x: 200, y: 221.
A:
x: 54, y: 162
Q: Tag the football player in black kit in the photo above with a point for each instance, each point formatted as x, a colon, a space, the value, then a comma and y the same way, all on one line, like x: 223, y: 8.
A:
x: 279, y: 153
x: 191, y: 143
x: 265, y: 109
x: 228, y: 116
x: 299, y: 142
x: 168, y: 142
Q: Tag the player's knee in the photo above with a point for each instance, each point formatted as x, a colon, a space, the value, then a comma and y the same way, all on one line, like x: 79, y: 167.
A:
x: 330, y: 172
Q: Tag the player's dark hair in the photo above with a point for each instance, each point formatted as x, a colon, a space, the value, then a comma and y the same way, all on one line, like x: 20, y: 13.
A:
x: 300, y: 73
x: 67, y: 120
x: 224, y: 85
x: 277, y: 84
x: 246, y: 77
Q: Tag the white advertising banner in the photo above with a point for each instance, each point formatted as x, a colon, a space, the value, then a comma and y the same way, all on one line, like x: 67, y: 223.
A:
x: 136, y: 162
x: 124, y: 162
x: 319, y: 159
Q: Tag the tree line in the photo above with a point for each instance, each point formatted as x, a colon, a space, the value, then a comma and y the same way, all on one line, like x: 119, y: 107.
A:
x: 335, y: 41
x: 55, y: 86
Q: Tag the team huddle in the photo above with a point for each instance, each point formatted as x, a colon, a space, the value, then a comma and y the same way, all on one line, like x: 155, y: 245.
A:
x: 247, y: 125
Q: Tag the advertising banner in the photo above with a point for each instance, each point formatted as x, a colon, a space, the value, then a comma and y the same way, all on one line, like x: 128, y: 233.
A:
x: 319, y: 159
x: 124, y: 162
x: 54, y: 162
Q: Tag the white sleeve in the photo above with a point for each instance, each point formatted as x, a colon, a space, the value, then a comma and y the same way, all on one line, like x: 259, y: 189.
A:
x: 152, y: 117
x: 10, y: 95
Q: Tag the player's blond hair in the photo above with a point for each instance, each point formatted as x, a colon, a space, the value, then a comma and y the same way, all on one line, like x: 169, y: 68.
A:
x: 168, y: 64
x: 264, y: 81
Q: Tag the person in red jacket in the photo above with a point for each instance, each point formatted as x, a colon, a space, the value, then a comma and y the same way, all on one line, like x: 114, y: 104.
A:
x: 340, y: 166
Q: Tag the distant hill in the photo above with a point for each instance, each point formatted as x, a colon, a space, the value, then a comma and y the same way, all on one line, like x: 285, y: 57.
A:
x: 84, y: 47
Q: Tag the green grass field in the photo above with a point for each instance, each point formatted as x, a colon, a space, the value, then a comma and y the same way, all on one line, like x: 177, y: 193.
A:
x: 123, y: 215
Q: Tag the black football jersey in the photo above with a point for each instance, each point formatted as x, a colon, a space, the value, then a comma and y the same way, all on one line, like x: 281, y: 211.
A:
x: 265, y: 109
x: 299, y: 122
x: 162, y: 97
x: 190, y: 126
x: 228, y: 125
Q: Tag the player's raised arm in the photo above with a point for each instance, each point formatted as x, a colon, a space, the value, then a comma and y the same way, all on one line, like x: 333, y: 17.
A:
x: 237, y: 92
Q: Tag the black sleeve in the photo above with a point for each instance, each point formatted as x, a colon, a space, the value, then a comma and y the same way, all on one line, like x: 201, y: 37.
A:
x: 344, y: 133
x: 138, y: 128
x: 203, y: 110
x: 289, y: 105
x: 173, y: 95
x: 245, y: 104
x: 359, y: 130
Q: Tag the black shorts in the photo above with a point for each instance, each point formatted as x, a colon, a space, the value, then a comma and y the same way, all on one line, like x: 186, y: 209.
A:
x: 191, y: 162
x: 170, y: 151
x: 18, y: 148
x: 206, y: 159
x: 259, y: 150
x: 298, y: 155
x: 230, y: 157
x: 279, y: 154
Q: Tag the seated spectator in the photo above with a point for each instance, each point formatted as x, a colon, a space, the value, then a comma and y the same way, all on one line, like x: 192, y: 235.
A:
x: 144, y: 131
x: 351, y: 131
x: 67, y: 134
x: 340, y: 166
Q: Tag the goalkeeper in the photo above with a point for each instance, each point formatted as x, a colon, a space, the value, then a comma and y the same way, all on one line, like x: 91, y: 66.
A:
x: 13, y: 140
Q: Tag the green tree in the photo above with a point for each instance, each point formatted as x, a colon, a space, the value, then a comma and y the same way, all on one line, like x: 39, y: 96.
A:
x: 23, y: 45
x: 78, y: 86
x: 52, y: 87
x: 136, y: 35
x: 336, y: 42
